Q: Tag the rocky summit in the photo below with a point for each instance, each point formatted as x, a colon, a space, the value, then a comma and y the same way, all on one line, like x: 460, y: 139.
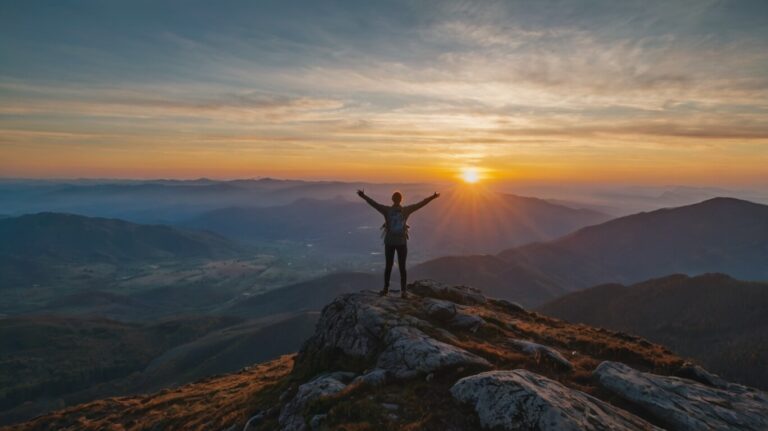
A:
x: 451, y: 359
x: 448, y: 358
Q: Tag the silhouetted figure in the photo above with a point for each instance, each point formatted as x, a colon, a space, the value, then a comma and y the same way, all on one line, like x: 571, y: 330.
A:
x: 396, y: 234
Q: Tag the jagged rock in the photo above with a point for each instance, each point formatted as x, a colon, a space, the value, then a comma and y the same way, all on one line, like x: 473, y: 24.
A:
x: 684, y: 404
x: 374, y: 378
x: 469, y: 322
x: 522, y: 400
x: 540, y: 350
x: 458, y: 294
x: 508, y: 306
x: 439, y: 309
x: 342, y: 376
x: 410, y: 352
x: 445, y: 335
x: 291, y: 418
x: 382, y: 331
x: 699, y: 374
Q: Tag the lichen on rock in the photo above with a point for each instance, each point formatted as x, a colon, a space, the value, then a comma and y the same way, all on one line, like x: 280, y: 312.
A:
x: 522, y: 400
x: 684, y: 404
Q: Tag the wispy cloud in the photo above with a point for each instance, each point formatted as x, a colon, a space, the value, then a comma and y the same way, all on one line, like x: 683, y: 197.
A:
x: 466, y: 81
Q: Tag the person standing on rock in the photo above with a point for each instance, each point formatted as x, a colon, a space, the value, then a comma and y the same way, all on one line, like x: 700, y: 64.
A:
x: 396, y: 234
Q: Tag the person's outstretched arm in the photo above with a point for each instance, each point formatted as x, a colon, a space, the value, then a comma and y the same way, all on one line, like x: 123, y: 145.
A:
x: 417, y: 206
x: 379, y: 207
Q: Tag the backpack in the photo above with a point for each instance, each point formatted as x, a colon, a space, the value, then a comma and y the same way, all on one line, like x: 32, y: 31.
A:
x: 395, y: 226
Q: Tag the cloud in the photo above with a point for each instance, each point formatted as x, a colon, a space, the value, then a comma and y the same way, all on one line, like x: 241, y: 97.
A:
x: 461, y: 78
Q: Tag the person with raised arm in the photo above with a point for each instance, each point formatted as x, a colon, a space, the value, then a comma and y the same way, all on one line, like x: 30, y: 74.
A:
x: 395, y: 233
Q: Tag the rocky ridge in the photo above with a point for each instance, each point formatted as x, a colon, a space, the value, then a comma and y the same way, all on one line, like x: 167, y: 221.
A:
x: 473, y: 362
x: 448, y: 358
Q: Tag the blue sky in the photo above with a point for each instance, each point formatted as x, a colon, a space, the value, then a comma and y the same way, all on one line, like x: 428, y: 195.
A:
x: 630, y: 91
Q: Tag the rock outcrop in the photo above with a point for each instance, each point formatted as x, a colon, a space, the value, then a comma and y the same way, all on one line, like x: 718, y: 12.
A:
x: 683, y: 404
x: 522, y: 400
x: 322, y: 386
x: 456, y: 331
x: 389, y: 333
x: 540, y: 351
x: 458, y: 294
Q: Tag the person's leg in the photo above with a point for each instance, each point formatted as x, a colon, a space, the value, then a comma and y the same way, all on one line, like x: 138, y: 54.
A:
x: 402, y: 255
x: 389, y: 259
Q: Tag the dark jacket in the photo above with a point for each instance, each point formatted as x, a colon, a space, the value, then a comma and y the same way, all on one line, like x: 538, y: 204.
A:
x: 391, y: 238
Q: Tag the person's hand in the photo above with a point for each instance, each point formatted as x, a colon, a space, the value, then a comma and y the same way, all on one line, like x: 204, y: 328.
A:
x: 435, y: 195
x: 361, y: 193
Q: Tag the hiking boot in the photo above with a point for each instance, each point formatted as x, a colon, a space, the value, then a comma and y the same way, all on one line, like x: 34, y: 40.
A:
x: 404, y: 294
x: 383, y: 292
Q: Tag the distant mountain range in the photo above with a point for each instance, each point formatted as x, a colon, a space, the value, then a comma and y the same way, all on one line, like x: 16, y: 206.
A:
x: 44, y: 247
x: 74, y: 238
x: 719, y: 321
x: 169, y: 201
x: 718, y: 235
x: 458, y: 222
x: 311, y: 295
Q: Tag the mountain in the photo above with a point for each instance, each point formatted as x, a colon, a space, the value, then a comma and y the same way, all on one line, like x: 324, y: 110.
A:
x: 458, y: 222
x: 718, y: 235
x: 311, y: 295
x: 168, y: 201
x: 226, y: 350
x: 48, y: 361
x: 43, y: 358
x: 47, y: 247
x: 74, y: 238
x: 719, y: 321
x: 448, y: 358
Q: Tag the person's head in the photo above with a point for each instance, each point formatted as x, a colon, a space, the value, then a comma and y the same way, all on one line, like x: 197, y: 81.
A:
x: 397, y: 197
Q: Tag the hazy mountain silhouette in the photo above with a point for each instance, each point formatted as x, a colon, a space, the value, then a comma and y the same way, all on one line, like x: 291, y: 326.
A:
x: 718, y: 235
x: 457, y: 223
x: 42, y: 247
x: 72, y: 238
x: 167, y: 201
x: 311, y: 295
x: 719, y: 321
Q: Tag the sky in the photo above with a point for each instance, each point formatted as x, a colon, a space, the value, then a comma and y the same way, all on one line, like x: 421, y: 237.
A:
x: 669, y: 92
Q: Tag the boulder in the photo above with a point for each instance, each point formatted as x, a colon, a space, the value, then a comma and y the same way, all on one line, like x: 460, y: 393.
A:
x: 541, y: 351
x: 466, y: 321
x: 374, y: 378
x: 458, y: 294
x: 684, y: 404
x: 291, y: 418
x: 522, y: 400
x: 439, y: 309
x: 699, y: 374
x: 384, y: 331
x: 508, y: 306
x: 410, y: 353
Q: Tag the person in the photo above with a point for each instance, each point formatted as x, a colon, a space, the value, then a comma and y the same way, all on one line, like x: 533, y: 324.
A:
x: 396, y: 234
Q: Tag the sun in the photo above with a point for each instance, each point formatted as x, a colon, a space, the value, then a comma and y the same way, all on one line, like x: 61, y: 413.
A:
x: 470, y: 175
